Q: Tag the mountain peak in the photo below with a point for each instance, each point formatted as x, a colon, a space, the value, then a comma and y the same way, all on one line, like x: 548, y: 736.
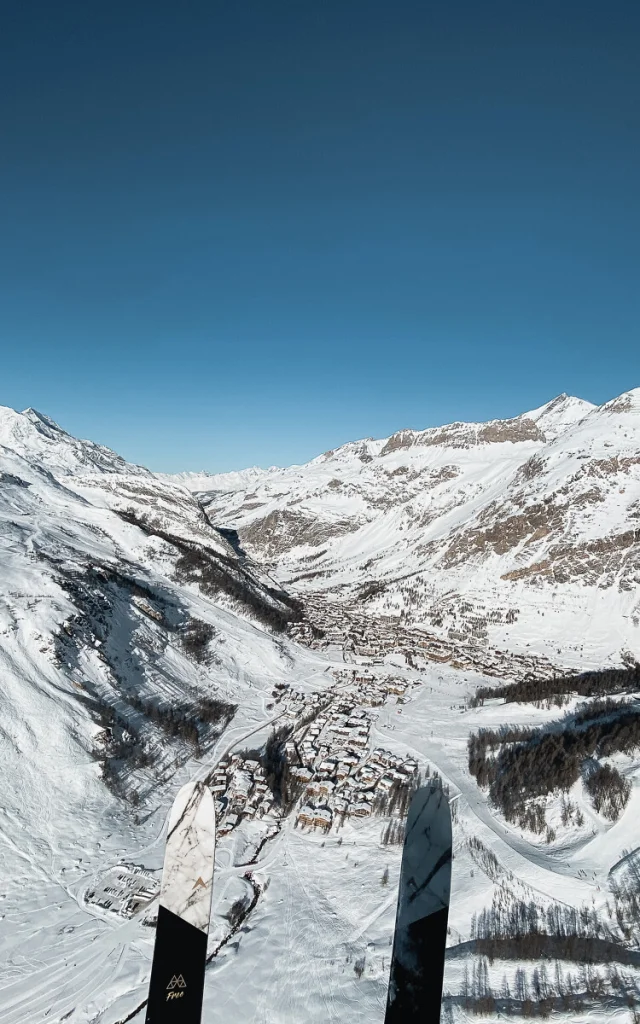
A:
x: 561, y: 412
x: 44, y: 424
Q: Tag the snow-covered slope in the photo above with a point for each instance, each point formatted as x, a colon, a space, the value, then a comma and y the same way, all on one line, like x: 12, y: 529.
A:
x: 499, y: 515
x: 104, y: 478
x: 121, y: 612
x: 140, y: 648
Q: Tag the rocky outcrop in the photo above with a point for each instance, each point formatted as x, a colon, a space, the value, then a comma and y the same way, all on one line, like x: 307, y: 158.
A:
x: 467, y: 435
x: 283, y: 529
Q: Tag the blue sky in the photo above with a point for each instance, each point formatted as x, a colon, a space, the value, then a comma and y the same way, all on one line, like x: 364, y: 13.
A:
x: 243, y: 233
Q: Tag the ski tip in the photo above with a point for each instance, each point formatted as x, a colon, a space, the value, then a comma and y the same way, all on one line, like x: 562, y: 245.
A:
x: 430, y: 804
x: 195, y: 796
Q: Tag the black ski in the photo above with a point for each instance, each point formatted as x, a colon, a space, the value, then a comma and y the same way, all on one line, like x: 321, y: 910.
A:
x: 177, y: 973
x: 417, y: 964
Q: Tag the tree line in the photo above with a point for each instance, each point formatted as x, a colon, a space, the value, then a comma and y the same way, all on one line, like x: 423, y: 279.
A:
x: 531, y: 763
x: 539, y: 995
x: 123, y: 748
x: 195, y: 638
x: 558, y: 688
x: 185, y: 722
x: 213, y: 578
x: 215, y: 573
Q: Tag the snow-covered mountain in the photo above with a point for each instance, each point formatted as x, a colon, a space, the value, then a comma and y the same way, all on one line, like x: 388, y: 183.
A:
x: 158, y: 629
x: 238, y: 480
x: 130, y: 636
x: 34, y: 442
x: 536, y: 514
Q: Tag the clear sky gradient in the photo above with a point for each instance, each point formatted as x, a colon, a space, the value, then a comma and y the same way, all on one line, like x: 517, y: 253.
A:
x: 241, y: 233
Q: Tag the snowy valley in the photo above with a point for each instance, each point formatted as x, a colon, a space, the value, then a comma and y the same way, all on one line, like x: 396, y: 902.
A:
x: 459, y: 604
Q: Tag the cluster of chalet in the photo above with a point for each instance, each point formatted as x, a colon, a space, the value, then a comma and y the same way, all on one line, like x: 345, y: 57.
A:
x: 328, y: 754
x: 331, y: 756
x: 340, y: 725
x: 240, y: 790
x: 370, y: 691
x: 345, y: 784
x: 239, y: 785
x: 367, y: 639
x: 375, y: 690
x: 359, y: 639
x: 295, y: 703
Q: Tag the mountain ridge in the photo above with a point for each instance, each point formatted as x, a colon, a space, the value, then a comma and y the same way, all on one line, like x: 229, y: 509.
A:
x: 236, y: 478
x: 488, y: 512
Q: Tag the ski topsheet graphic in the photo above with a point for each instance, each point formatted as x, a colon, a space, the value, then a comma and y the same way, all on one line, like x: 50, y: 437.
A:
x: 417, y: 964
x: 177, y: 973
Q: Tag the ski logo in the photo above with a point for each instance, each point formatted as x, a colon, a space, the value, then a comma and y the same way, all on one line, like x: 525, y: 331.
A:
x: 177, y: 982
x: 200, y: 882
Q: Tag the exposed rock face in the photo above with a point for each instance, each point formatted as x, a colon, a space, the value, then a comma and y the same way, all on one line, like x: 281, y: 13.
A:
x: 504, y: 533
x: 281, y: 530
x: 602, y: 563
x: 623, y: 403
x: 467, y: 435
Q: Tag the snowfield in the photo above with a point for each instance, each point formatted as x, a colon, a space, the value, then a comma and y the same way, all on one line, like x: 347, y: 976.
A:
x: 119, y: 596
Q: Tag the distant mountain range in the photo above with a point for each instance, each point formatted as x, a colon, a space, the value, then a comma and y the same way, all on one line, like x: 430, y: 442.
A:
x: 539, y: 514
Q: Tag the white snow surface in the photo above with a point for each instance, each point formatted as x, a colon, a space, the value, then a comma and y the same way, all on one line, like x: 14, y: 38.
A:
x: 237, y: 480
x: 396, y: 508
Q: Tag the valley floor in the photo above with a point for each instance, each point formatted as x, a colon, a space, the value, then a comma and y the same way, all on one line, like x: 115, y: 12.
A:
x: 323, y: 906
